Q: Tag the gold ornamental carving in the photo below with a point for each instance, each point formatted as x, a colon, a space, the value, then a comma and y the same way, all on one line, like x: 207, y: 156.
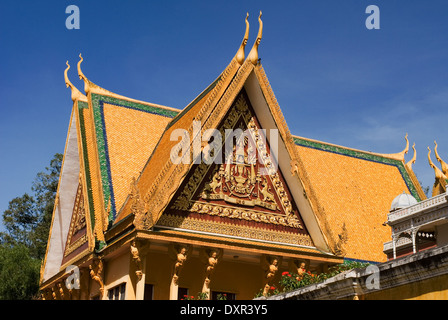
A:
x: 242, y: 231
x: 135, y: 254
x: 96, y: 273
x: 242, y: 180
x: 142, y: 217
x: 211, y: 258
x: 270, y: 265
x: 77, y: 224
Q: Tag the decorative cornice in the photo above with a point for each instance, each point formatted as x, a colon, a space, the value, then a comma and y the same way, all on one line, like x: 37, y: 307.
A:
x: 241, y: 231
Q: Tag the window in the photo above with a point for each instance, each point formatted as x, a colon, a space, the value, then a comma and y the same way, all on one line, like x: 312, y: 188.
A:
x: 182, y: 293
x: 149, y: 289
x: 117, y: 292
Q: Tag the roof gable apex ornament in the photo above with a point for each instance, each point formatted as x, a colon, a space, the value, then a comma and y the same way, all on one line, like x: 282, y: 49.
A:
x: 414, y: 157
x: 253, y: 54
x: 82, y: 76
x: 406, y: 149
x: 441, y: 179
x: 240, y: 53
x: 438, y: 173
x: 400, y: 155
x: 442, y: 163
x: 76, y: 94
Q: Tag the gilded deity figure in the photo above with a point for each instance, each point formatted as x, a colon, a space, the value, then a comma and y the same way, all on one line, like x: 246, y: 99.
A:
x: 136, y: 257
x: 273, y: 268
x: 270, y: 274
x: 301, y: 270
x: 212, y: 262
x: 96, y: 271
x: 181, y: 257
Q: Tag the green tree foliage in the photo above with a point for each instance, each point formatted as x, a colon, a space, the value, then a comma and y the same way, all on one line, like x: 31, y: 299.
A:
x: 19, y: 273
x: 23, y: 244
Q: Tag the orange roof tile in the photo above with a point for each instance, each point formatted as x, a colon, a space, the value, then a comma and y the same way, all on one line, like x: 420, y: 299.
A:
x: 131, y: 138
x: 354, y: 191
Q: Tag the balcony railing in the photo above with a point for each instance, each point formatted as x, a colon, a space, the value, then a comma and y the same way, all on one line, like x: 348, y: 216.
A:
x: 424, y: 205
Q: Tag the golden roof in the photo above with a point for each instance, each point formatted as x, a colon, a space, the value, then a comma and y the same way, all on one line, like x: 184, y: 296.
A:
x: 350, y: 191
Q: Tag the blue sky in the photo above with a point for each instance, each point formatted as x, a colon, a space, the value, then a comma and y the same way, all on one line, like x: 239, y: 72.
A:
x: 335, y: 80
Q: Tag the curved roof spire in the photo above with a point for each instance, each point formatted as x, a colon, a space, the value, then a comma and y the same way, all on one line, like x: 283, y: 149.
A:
x: 82, y: 76
x: 406, y: 149
x: 399, y: 155
x: 240, y: 53
x: 76, y: 94
x: 439, y: 174
x: 253, y: 54
x: 443, y: 163
x: 414, y: 157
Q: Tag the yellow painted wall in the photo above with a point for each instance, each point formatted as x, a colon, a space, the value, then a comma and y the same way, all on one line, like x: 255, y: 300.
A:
x: 243, y: 279
x: 116, y: 273
x: 432, y: 289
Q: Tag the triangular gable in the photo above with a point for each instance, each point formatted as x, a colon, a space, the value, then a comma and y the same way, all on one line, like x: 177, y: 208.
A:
x: 157, y: 187
x: 68, y: 190
x: 243, y: 196
x: 78, y: 235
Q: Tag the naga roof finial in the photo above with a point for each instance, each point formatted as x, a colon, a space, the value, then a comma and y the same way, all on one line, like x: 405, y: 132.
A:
x: 82, y: 76
x: 240, y: 53
x: 441, y: 180
x: 76, y: 94
x: 414, y: 157
x: 253, y: 54
x: 439, y: 174
x: 443, y: 163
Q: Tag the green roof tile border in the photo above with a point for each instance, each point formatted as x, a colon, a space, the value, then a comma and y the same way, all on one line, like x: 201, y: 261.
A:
x: 98, y: 102
x: 363, y: 156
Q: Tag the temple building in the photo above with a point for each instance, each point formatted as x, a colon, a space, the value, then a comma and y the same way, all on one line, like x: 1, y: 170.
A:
x: 152, y: 202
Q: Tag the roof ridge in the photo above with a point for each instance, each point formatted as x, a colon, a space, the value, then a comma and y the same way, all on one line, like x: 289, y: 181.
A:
x: 393, y: 156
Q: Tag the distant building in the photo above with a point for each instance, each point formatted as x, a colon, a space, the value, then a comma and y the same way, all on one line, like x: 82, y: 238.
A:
x: 129, y: 222
x: 417, y: 226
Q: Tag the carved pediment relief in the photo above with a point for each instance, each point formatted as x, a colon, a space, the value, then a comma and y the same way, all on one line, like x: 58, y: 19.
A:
x: 77, y: 235
x: 246, y: 184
